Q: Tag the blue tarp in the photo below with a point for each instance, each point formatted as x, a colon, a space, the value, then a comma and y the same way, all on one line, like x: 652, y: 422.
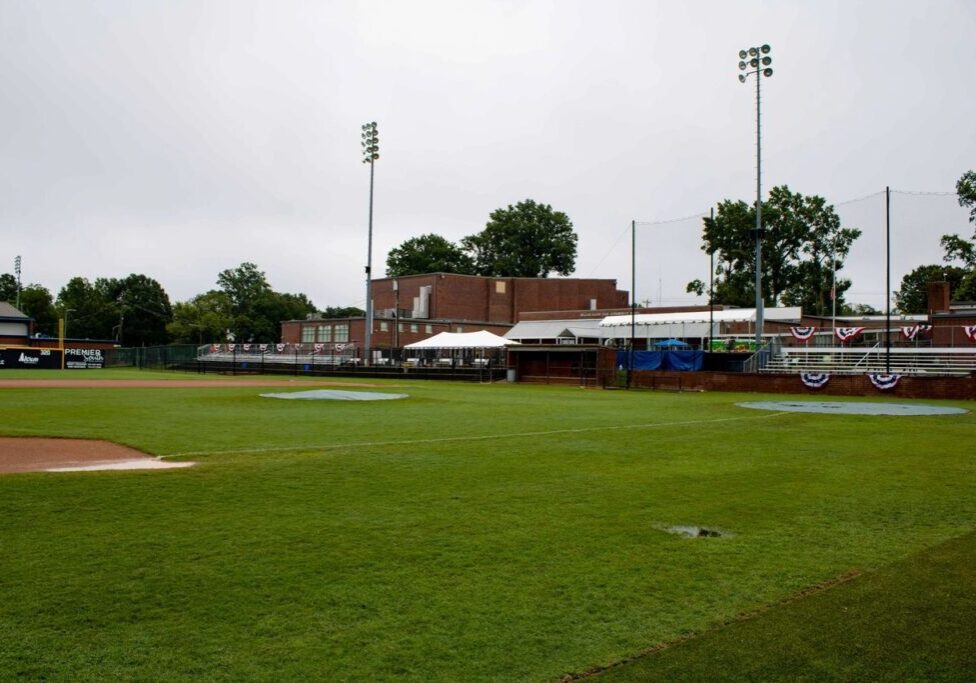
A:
x: 672, y: 344
x: 662, y: 360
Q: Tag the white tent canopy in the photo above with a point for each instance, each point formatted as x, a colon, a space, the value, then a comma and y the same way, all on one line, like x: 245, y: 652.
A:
x: 482, y: 339
x: 685, y: 324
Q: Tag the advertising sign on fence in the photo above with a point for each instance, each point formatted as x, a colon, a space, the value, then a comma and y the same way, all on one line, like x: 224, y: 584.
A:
x: 18, y: 359
x: 82, y: 359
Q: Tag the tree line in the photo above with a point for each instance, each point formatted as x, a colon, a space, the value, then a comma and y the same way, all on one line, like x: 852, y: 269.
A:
x: 136, y: 310
x: 804, y: 247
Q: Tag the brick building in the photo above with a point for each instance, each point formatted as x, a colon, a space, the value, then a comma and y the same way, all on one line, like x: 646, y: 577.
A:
x: 415, y: 307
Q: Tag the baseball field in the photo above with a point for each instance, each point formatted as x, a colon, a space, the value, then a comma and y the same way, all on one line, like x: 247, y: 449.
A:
x: 480, y: 532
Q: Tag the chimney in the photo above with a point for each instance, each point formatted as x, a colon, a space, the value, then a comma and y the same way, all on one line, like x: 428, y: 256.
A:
x: 938, y: 297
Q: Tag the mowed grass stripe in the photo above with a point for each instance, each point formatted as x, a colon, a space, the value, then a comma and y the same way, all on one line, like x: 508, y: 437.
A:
x: 911, y: 620
x: 480, y: 437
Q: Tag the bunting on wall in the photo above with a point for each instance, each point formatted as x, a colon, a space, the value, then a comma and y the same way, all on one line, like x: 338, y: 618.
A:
x: 970, y: 331
x: 846, y: 334
x: 814, y: 380
x: 280, y: 347
x: 913, y: 331
x: 318, y: 347
x: 232, y: 347
x: 883, y: 381
x: 246, y: 347
x: 215, y: 348
x: 802, y: 333
x: 262, y: 347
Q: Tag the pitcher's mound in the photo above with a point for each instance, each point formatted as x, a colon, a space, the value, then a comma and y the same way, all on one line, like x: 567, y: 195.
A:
x: 74, y: 455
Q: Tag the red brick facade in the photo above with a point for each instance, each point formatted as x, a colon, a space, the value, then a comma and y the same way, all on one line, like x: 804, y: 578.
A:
x: 409, y: 309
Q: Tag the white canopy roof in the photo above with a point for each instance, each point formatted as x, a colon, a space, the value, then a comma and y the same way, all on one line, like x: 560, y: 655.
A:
x: 688, y: 324
x: 789, y: 314
x: 555, y: 329
x: 482, y: 339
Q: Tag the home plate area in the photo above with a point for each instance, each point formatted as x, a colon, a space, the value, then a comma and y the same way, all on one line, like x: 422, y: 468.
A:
x: 74, y: 455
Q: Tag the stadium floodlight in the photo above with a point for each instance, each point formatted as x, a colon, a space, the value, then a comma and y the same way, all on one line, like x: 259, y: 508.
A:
x: 760, y: 68
x: 371, y: 152
x: 17, y: 273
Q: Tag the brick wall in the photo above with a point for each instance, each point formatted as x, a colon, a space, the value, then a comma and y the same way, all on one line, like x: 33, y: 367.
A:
x: 499, y: 300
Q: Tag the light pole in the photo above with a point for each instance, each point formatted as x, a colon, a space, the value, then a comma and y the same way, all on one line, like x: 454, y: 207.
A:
x: 17, y: 272
x: 758, y: 63
x: 371, y: 152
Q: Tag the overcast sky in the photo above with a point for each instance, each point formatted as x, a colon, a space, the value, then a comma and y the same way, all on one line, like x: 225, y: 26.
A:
x: 178, y: 139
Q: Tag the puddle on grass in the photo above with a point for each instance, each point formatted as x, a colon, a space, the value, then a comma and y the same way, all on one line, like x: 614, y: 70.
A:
x: 694, y: 531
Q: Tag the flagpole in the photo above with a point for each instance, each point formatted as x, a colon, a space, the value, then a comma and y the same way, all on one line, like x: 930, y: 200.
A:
x: 887, y: 280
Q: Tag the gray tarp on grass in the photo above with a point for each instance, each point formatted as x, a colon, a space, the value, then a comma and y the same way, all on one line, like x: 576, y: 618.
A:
x: 335, y: 395
x: 852, y: 408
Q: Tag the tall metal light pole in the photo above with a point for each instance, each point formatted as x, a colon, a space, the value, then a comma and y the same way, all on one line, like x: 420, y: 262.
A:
x: 17, y: 273
x: 758, y: 63
x: 371, y: 152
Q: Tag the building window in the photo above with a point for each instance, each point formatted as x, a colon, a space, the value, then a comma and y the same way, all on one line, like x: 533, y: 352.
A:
x: 413, y: 327
x: 308, y: 334
x: 341, y: 333
x: 499, y: 286
x: 399, y: 327
x: 325, y: 333
x: 429, y: 329
x: 384, y: 326
x: 459, y: 329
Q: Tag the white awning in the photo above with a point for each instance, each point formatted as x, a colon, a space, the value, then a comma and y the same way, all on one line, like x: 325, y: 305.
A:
x: 555, y: 329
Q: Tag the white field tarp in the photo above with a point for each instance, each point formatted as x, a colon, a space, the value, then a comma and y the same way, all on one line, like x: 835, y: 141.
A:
x: 688, y: 324
x: 482, y: 339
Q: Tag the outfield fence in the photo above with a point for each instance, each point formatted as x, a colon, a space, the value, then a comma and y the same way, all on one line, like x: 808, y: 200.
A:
x: 298, y: 359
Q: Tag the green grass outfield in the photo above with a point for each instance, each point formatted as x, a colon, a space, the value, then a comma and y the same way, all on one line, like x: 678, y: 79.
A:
x: 485, y: 532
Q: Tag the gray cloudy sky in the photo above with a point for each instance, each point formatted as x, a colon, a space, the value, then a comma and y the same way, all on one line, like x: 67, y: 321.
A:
x: 177, y: 139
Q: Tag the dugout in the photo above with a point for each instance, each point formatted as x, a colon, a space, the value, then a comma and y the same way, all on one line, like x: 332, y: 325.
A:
x: 577, y: 364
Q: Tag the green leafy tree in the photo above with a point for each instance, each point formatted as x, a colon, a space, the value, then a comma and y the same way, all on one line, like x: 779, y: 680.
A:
x: 133, y: 310
x: 8, y: 288
x: 342, y: 312
x: 255, y: 309
x: 858, y: 309
x: 803, y: 245
x: 525, y: 240
x: 912, y: 296
x: 428, y: 254
x: 143, y: 308
x: 89, y: 315
x: 204, y: 319
x: 966, y: 191
x: 959, y: 248
x: 36, y: 301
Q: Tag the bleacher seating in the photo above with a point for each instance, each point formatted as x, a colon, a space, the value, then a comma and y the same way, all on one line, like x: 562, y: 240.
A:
x: 903, y: 361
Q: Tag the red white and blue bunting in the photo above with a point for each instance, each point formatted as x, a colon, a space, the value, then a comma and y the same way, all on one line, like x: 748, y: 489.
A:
x: 814, y: 380
x: 280, y: 347
x: 970, y: 331
x: 846, y: 334
x: 883, y: 381
x: 913, y: 331
x: 802, y: 333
